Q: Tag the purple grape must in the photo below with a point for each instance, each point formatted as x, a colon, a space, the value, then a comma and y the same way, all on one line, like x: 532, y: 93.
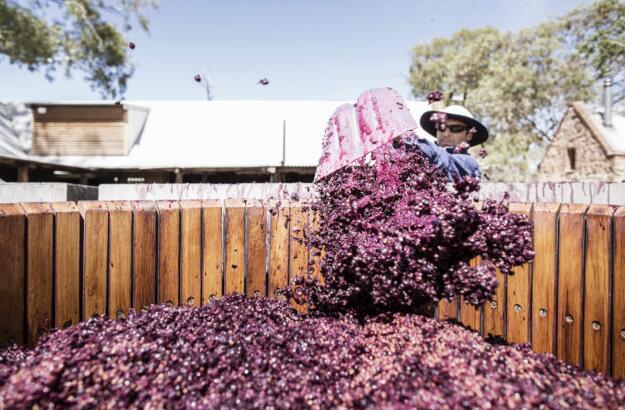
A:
x: 395, y: 238
x: 259, y: 353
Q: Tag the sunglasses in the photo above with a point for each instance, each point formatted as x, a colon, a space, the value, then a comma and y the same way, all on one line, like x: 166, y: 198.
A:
x: 457, y: 129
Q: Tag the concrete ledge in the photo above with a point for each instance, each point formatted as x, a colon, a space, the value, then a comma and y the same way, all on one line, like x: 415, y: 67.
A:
x: 12, y: 192
x: 174, y: 192
x: 602, y: 193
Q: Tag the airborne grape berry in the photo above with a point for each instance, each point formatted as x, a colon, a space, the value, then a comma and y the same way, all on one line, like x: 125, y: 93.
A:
x: 434, y: 96
x: 462, y: 147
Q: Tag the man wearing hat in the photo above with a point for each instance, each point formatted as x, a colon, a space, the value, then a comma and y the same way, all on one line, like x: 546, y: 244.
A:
x: 455, y: 130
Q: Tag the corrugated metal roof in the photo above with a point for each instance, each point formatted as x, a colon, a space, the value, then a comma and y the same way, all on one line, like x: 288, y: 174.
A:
x: 15, y: 131
x: 220, y: 134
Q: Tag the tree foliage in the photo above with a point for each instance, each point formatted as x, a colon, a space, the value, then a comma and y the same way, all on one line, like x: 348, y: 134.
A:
x: 73, y: 35
x: 600, y: 36
x: 519, y: 83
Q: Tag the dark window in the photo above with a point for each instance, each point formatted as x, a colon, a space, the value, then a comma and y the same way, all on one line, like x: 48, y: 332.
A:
x: 571, y: 152
x: 298, y: 177
x: 8, y: 173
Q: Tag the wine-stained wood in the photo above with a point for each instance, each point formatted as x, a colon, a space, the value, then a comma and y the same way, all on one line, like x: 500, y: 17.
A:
x: 518, y: 292
x: 12, y: 274
x: 570, y: 289
x: 544, y: 278
x: 66, y: 263
x: 39, y: 274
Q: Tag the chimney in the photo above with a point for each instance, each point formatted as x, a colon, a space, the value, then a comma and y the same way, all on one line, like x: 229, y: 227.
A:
x: 607, y: 102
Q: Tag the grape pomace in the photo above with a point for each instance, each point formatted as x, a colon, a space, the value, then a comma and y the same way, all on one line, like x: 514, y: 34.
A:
x: 257, y: 353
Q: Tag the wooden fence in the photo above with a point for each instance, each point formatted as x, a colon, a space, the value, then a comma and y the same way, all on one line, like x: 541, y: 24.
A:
x: 61, y: 263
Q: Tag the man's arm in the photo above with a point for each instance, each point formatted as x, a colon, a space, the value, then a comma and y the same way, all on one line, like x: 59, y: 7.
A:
x: 453, y: 165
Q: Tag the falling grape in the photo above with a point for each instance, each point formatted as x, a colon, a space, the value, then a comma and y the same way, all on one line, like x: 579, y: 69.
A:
x: 462, y: 147
x: 434, y: 96
x: 440, y: 119
x: 396, y: 238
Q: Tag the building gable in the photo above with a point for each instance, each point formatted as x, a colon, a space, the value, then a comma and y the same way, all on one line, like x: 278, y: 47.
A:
x: 576, y: 153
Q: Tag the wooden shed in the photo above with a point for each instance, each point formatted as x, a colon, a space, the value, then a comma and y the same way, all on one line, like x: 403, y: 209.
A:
x: 85, y: 129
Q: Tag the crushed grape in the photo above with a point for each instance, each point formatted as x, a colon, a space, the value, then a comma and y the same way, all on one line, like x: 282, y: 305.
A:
x: 239, y: 352
x: 395, y: 237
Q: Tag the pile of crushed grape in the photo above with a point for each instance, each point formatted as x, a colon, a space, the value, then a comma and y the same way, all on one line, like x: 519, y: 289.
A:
x: 395, y: 238
x: 255, y: 352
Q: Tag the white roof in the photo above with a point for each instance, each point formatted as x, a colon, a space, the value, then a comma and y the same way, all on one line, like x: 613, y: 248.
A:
x: 15, y: 137
x: 219, y: 134
x: 614, y: 135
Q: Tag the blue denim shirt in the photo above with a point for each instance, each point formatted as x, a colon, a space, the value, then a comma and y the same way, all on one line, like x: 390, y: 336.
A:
x: 453, y: 165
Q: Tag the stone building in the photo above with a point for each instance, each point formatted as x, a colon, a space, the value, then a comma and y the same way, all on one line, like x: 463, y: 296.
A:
x: 588, y: 146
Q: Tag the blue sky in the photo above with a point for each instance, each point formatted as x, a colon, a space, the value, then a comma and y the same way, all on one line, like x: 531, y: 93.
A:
x: 309, y: 50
